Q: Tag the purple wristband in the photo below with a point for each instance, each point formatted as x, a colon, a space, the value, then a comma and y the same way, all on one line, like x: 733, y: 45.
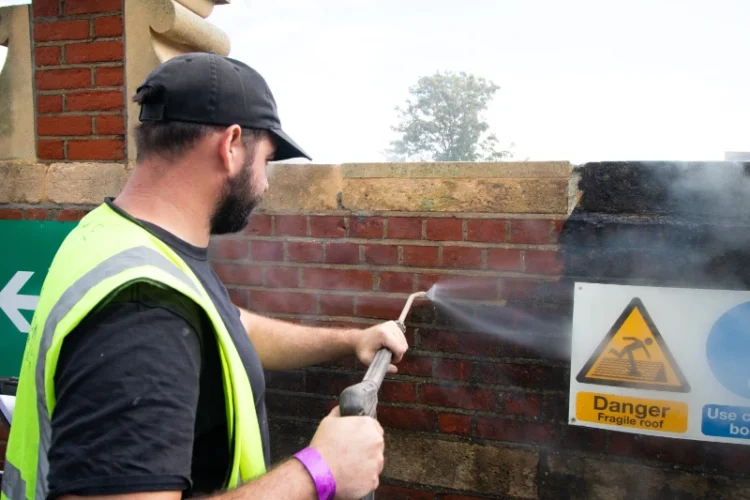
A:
x: 321, y: 474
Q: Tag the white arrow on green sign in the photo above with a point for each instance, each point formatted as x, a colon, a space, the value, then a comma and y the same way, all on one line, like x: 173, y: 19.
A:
x: 26, y: 254
x: 12, y: 302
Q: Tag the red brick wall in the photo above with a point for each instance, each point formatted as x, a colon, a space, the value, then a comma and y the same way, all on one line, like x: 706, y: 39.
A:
x: 458, y: 384
x: 78, y: 56
x: 342, y: 269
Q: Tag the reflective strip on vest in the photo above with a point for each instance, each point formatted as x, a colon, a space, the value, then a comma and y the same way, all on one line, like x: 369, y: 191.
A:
x: 127, y: 259
x: 14, y: 487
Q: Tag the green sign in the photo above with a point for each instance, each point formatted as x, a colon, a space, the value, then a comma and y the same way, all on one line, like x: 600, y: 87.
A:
x: 25, y: 256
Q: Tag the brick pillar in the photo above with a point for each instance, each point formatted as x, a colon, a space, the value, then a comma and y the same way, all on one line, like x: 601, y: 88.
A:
x: 78, y: 59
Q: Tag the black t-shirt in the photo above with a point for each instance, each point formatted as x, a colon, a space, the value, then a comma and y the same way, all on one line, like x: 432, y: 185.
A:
x: 140, y: 398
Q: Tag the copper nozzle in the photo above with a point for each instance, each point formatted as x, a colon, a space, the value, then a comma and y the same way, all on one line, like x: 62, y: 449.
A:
x: 409, y: 301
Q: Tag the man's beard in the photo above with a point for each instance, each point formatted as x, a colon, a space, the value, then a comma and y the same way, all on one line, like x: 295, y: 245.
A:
x: 236, y: 204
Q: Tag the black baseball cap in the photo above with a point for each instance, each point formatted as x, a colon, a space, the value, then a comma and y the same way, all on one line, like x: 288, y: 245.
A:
x: 212, y: 89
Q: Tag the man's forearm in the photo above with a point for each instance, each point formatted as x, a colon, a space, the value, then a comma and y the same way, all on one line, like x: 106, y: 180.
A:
x: 290, y: 480
x: 285, y: 346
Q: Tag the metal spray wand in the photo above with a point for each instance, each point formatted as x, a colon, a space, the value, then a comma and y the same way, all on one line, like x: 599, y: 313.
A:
x: 362, y: 398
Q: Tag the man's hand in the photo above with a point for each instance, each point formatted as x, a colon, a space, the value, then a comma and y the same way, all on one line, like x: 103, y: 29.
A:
x: 353, y: 448
x: 368, y: 342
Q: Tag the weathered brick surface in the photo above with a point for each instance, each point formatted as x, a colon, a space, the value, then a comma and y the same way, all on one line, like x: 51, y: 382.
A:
x: 78, y: 51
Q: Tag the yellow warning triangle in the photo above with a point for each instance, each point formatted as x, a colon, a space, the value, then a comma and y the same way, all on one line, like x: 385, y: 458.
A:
x: 633, y: 354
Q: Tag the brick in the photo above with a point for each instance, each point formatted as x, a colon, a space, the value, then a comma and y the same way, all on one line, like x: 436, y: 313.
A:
x: 282, y: 302
x: 336, y: 305
x: 399, y: 392
x: 460, y: 497
x: 49, y: 103
x: 304, y: 251
x: 285, y: 380
x: 530, y: 231
x: 61, y: 30
x: 557, y: 228
x: 282, y: 405
x: 108, y: 100
x: 462, y: 257
x: 238, y: 274
x: 48, y: 56
x: 90, y: 52
x: 444, y: 229
x: 381, y: 255
x: 70, y: 215
x: 396, y: 282
x: 291, y: 225
x: 239, y: 297
x: 415, y: 365
x: 527, y: 405
x: 75, y: 7
x: 63, y: 125
x: 108, y: 26
x: 337, y: 279
x: 11, y: 214
x: 319, y: 382
x: 267, y: 251
x: 379, y: 307
x: 453, y: 369
x: 405, y: 228
x: 486, y: 230
x: 36, y: 214
x: 280, y: 277
x: 50, y: 149
x: 517, y: 431
x: 502, y: 259
x: 110, y: 125
x: 345, y: 363
x: 521, y: 375
x: 521, y: 289
x: 109, y: 76
x: 451, y: 423
x: 409, y: 419
x: 59, y: 79
x: 327, y: 227
x: 460, y: 287
x: 457, y: 397
x: 655, y: 448
x: 46, y: 8
x: 461, y: 343
x: 585, y: 439
x: 538, y: 262
x: 366, y: 227
x: 727, y: 458
x: 420, y: 256
x: 96, y: 149
x: 259, y: 225
x: 399, y: 493
x: 342, y: 253
x: 498, y: 472
x: 4, y: 432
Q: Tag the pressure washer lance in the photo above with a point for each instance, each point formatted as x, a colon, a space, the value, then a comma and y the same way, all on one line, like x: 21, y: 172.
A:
x: 362, y: 398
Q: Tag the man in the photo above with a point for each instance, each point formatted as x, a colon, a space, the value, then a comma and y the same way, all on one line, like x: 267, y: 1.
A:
x: 141, y: 380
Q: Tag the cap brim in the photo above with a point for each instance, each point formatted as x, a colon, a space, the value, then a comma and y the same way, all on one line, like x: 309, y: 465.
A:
x: 286, y: 148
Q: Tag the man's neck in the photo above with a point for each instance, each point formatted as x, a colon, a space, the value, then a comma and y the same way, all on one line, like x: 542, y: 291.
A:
x: 168, y: 202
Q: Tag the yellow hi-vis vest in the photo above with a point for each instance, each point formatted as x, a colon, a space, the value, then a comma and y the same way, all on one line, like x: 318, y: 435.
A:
x: 104, y: 253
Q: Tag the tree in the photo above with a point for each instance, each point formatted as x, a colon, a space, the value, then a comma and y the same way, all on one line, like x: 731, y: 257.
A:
x: 441, y: 121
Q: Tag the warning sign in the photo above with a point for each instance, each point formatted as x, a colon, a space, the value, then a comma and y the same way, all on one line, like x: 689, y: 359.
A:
x: 621, y: 411
x: 661, y: 361
x: 633, y: 354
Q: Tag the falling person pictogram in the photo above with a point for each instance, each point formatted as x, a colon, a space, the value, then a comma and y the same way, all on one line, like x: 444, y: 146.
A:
x: 634, y: 345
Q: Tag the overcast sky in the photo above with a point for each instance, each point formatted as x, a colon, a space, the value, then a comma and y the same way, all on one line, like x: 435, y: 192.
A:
x: 581, y: 80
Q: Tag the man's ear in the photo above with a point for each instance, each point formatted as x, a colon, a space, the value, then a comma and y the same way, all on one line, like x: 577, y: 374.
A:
x: 231, y: 150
